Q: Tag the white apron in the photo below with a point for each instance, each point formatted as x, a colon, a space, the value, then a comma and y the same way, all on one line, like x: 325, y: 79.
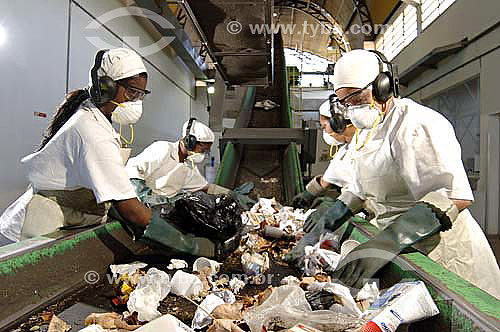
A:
x: 463, y: 250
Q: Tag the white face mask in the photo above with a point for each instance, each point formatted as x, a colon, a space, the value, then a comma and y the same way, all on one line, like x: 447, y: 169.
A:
x: 364, y: 116
x: 196, y: 158
x: 329, y: 139
x: 128, y: 112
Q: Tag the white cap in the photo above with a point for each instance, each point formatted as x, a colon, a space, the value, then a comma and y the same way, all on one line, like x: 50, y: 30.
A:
x: 355, y: 69
x: 200, y: 131
x: 324, y: 110
x: 119, y: 63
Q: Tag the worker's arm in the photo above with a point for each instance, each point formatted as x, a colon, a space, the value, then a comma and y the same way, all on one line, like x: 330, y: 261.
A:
x: 323, y: 183
x: 461, y: 204
x: 134, y: 211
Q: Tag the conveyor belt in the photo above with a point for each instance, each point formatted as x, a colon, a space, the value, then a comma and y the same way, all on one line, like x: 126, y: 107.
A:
x: 262, y: 144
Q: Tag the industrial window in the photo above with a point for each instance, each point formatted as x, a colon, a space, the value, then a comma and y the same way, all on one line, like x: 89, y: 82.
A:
x: 399, y: 33
x: 431, y: 9
x: 403, y: 27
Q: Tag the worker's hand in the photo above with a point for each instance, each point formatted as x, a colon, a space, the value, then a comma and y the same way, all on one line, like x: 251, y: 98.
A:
x: 331, y: 219
x: 303, y: 200
x: 244, y: 201
x: 415, y: 225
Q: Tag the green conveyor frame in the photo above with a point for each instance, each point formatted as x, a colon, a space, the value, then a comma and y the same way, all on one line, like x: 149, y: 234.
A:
x: 292, y: 174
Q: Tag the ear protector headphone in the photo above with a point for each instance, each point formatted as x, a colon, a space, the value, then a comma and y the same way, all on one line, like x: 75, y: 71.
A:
x: 190, y: 140
x: 338, y: 122
x: 385, y: 85
x: 103, y: 88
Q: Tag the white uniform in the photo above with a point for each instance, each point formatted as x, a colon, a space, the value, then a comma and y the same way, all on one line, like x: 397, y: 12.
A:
x: 340, y: 169
x: 411, y: 153
x: 85, y: 153
x: 159, y: 166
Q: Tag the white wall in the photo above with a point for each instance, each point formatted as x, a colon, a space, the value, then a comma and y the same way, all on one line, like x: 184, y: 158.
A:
x: 34, y: 62
x: 466, y: 18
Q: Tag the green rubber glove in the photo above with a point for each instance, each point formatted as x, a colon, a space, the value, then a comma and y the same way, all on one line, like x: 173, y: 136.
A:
x: 331, y: 219
x: 303, y: 200
x: 418, y: 223
x: 244, y: 201
x: 166, y: 237
x: 295, y: 257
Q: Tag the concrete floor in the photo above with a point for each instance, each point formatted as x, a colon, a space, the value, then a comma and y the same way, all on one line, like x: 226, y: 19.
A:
x: 495, y: 245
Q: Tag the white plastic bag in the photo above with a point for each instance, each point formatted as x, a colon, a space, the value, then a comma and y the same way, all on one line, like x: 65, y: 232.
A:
x: 348, y: 304
x: 186, y: 284
x: 151, y: 289
x: 203, y: 262
x: 287, y: 306
x: 201, y: 317
x: 122, y: 269
x: 166, y: 323
x: 93, y: 328
x: 177, y: 264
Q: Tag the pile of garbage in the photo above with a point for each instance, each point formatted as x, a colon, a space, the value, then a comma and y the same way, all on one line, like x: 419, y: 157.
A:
x: 297, y: 303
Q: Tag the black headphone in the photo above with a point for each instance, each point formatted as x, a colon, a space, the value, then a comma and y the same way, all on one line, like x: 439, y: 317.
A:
x: 103, y: 88
x: 190, y: 140
x: 338, y: 122
x: 385, y: 85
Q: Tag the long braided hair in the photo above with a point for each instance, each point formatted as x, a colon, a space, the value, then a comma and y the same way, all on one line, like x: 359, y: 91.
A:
x: 70, y: 105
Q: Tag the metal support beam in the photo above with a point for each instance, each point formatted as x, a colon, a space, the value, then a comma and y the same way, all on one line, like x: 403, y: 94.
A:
x: 204, y: 39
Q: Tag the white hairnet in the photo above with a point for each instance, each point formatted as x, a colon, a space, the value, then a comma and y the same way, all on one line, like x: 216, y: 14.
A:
x: 200, y: 131
x: 324, y: 110
x: 119, y: 63
x: 355, y: 69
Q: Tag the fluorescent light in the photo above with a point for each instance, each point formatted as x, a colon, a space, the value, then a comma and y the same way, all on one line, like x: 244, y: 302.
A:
x: 211, y: 89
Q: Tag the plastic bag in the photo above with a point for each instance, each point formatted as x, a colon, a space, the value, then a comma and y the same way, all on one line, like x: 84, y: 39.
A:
x: 287, y: 306
x: 201, y: 263
x: 177, y: 264
x: 129, y: 269
x: 201, y: 317
x: 165, y: 323
x: 348, y: 304
x: 151, y: 289
x: 93, y: 328
x: 185, y: 284
x: 211, y: 216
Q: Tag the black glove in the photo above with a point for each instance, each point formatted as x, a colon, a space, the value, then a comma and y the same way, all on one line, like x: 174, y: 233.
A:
x: 331, y: 219
x: 303, y: 200
x: 418, y: 223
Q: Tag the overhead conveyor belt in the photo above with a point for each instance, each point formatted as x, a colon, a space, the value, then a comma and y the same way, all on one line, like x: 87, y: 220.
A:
x: 262, y: 146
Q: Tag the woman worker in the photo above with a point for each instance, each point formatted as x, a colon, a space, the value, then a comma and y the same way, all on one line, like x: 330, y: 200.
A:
x: 410, y: 177
x: 78, y: 172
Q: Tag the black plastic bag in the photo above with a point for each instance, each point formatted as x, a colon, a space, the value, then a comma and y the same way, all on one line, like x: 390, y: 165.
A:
x: 210, y: 216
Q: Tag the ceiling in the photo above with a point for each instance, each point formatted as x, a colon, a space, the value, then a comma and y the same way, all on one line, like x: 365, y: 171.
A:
x: 243, y: 58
